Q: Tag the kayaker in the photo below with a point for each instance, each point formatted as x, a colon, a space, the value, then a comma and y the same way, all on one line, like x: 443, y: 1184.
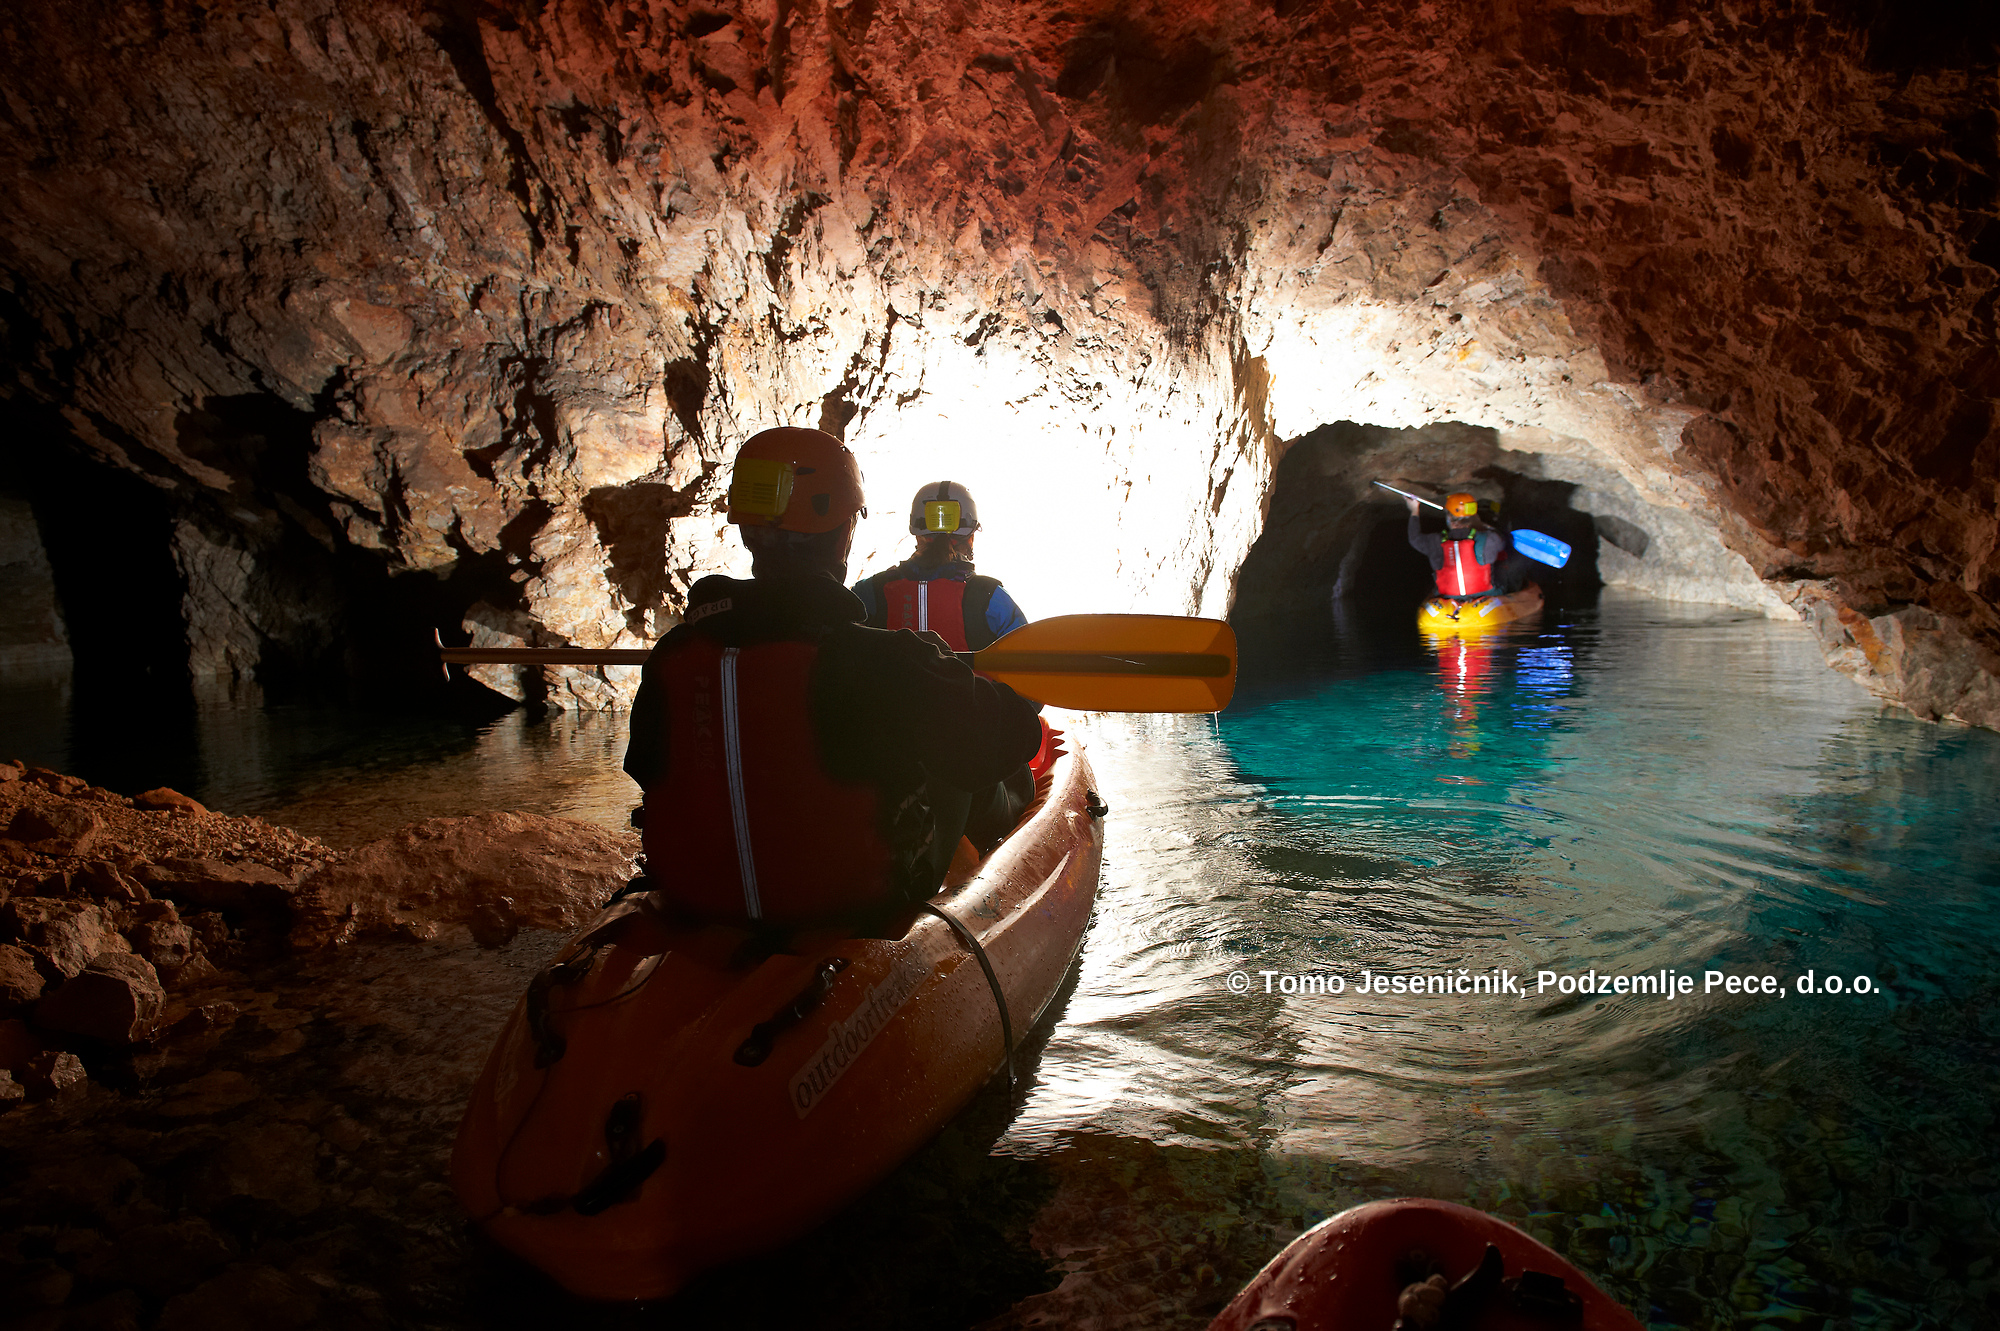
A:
x: 1463, y: 555
x: 935, y: 588
x: 799, y: 767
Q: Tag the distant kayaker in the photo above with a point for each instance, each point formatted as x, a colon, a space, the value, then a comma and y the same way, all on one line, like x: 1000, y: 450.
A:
x: 1463, y: 555
x: 799, y: 767
x: 935, y: 588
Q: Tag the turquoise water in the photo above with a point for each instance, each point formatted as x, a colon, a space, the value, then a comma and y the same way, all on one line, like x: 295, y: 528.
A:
x: 1636, y: 788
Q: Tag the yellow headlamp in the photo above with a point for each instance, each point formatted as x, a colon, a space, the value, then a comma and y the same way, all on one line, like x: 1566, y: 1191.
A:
x: 760, y: 487
x: 941, y: 515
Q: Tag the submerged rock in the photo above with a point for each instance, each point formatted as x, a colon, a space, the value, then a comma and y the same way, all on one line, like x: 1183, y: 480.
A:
x: 207, y: 884
x: 490, y: 872
x: 116, y: 999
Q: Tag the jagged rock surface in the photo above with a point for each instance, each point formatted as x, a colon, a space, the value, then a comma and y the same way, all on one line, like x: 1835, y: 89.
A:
x: 484, y: 296
x: 493, y: 873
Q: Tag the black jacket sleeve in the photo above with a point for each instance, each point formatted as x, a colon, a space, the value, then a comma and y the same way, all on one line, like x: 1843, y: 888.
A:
x: 1428, y: 544
x: 894, y: 708
x: 646, y: 748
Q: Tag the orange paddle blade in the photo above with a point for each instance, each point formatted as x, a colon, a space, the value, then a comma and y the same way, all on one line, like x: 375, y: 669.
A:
x: 1118, y: 663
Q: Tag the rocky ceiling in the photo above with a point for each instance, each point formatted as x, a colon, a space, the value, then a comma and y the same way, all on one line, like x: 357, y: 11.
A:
x: 324, y: 312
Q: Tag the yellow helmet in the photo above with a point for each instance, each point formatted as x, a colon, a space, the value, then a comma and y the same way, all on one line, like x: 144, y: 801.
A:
x: 1461, y: 505
x: 796, y: 480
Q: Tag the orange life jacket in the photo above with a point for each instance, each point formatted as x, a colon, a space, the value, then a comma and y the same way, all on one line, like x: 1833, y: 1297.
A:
x: 1463, y: 574
x: 745, y: 824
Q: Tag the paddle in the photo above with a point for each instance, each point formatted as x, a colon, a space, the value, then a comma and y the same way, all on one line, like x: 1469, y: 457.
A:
x: 1538, y: 546
x: 1089, y: 663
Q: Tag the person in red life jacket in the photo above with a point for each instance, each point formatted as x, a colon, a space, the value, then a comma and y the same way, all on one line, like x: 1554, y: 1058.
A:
x: 935, y: 589
x: 798, y: 767
x: 1463, y: 555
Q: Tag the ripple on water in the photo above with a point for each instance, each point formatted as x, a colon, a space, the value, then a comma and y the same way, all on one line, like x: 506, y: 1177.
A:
x: 1636, y: 789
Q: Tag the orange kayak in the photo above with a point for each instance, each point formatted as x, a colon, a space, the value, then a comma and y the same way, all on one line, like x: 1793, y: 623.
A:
x: 1350, y: 1272
x: 668, y: 1097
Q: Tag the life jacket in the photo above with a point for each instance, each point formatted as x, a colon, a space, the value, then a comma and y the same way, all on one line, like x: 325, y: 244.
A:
x: 746, y: 824
x: 1463, y: 575
x: 952, y: 608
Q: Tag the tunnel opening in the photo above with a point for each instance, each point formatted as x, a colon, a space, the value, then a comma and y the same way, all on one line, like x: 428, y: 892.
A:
x: 1334, y: 542
x: 175, y: 599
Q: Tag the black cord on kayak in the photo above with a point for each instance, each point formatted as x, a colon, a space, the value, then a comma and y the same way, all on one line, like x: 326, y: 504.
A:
x: 979, y: 953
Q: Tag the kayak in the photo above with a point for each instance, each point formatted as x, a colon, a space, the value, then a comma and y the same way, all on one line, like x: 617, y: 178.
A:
x: 1481, y: 614
x: 1357, y: 1269
x: 669, y: 1096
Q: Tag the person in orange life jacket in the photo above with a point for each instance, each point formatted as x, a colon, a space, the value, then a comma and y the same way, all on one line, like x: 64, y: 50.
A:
x: 1462, y: 557
x: 935, y: 588
x: 799, y: 767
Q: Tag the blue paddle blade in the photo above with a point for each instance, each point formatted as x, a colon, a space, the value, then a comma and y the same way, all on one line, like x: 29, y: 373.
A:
x: 1540, y: 548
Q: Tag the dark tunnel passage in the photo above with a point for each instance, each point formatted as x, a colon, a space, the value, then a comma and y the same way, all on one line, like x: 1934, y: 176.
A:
x: 1333, y: 536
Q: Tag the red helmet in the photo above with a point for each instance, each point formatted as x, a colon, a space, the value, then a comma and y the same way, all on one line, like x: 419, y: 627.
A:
x: 796, y: 480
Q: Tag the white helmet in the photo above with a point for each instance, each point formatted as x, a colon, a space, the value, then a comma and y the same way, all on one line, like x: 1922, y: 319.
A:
x: 944, y: 508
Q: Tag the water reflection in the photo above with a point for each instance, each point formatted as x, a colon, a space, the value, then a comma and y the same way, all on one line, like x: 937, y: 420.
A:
x: 341, y: 773
x: 1637, y: 789
x: 1643, y: 789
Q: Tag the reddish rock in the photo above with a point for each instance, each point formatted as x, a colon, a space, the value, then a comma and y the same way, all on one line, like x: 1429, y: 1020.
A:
x: 446, y: 871
x: 218, y: 884
x: 103, y: 881
x: 11, y: 771
x: 156, y: 912
x: 1754, y: 242
x: 57, y: 829
x: 58, y: 783
x: 11, y: 1091
x: 116, y: 999
x: 163, y: 798
x: 20, y: 982
x: 494, y: 923
x: 169, y: 945
x: 68, y: 933
x: 52, y: 1072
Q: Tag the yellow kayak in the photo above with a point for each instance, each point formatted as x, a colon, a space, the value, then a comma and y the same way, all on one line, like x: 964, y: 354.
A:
x: 1481, y: 614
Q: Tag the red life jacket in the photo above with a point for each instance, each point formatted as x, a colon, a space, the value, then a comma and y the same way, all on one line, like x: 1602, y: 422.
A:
x: 1463, y: 574
x: 745, y: 824
x: 937, y: 605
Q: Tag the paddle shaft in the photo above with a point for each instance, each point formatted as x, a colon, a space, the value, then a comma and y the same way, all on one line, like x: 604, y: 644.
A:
x: 1140, y: 663
x: 1407, y: 495
x: 1200, y: 665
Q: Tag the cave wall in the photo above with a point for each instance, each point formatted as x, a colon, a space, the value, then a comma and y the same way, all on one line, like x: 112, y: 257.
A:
x: 34, y: 642
x: 476, y: 299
